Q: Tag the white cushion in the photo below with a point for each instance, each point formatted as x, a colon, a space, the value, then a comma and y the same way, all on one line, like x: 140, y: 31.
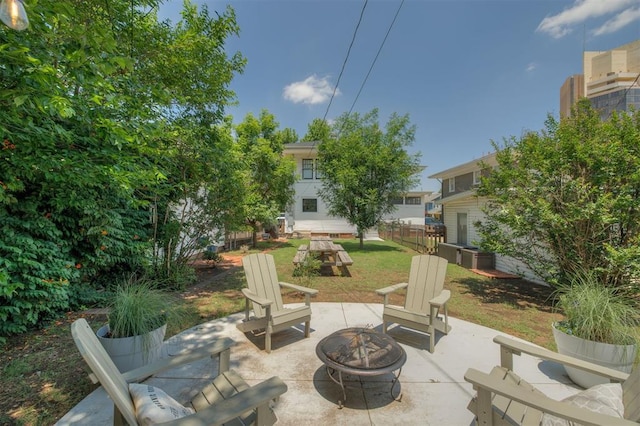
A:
x: 153, y: 405
x: 603, y: 399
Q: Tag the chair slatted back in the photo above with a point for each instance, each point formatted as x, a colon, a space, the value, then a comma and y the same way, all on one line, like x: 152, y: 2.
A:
x: 262, y: 279
x: 631, y: 395
x: 103, y: 367
x: 426, y: 280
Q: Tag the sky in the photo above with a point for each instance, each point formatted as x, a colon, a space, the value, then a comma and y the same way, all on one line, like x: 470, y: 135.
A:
x: 466, y: 72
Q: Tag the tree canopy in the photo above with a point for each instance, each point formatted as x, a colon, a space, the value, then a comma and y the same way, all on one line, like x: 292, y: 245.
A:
x: 364, y: 168
x: 270, y: 175
x: 567, y: 198
x: 318, y: 130
x: 106, y: 115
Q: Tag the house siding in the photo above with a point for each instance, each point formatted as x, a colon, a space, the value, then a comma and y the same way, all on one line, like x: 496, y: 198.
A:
x: 320, y: 221
x: 462, y: 183
x: 472, y: 207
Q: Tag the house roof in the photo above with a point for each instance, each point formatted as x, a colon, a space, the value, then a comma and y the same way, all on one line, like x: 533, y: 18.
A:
x: 457, y: 197
x: 307, y: 146
x: 469, y: 167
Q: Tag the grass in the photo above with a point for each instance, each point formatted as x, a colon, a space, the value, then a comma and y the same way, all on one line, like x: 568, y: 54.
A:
x: 43, y: 375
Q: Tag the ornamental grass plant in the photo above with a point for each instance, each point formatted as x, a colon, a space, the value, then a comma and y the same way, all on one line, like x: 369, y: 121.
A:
x: 597, y: 312
x: 138, y: 307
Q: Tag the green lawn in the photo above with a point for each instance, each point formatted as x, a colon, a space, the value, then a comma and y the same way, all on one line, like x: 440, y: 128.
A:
x: 43, y: 375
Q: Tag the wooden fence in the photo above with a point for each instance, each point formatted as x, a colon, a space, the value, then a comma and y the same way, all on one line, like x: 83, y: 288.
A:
x: 420, y: 238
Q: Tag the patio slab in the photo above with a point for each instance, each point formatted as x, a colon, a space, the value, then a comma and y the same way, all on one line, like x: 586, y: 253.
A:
x: 434, y: 391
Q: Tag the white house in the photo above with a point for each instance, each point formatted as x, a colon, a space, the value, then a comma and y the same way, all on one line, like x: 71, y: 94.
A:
x: 461, y: 208
x: 309, y: 214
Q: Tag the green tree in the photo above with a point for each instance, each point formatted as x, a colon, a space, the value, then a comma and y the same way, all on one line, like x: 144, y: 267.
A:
x: 317, y: 131
x: 197, y: 154
x: 269, y: 175
x: 365, y: 168
x: 99, y: 105
x: 287, y: 135
x: 567, y: 198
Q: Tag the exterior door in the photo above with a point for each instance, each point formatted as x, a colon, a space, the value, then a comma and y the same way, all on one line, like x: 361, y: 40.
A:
x: 462, y: 229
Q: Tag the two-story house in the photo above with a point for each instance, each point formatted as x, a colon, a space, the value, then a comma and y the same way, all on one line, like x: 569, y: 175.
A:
x: 309, y: 214
x: 461, y: 208
x: 460, y: 205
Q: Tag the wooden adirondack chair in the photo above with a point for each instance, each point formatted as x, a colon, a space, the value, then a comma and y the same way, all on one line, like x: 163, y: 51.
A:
x: 270, y: 314
x: 503, y: 398
x: 425, y: 296
x: 227, y: 399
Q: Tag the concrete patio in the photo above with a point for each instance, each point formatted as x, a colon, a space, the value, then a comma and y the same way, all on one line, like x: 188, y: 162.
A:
x: 433, y: 388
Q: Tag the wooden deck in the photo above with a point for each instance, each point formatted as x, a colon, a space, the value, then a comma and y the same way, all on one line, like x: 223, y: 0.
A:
x: 494, y: 273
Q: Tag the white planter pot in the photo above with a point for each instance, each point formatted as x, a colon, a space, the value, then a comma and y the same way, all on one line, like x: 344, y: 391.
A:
x: 619, y: 357
x: 128, y: 353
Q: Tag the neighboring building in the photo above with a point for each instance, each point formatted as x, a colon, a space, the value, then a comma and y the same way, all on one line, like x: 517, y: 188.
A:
x: 432, y: 206
x: 309, y: 214
x: 410, y: 208
x: 461, y: 208
x: 460, y: 205
x: 610, y: 80
x: 570, y: 92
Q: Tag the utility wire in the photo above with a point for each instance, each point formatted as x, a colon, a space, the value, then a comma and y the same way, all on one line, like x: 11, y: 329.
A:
x: 335, y: 88
x: 344, y: 64
x: 376, y: 58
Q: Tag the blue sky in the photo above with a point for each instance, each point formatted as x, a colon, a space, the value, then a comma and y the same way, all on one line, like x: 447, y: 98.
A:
x: 465, y: 71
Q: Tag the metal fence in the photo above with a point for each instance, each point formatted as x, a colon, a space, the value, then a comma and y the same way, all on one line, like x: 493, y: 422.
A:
x: 420, y: 238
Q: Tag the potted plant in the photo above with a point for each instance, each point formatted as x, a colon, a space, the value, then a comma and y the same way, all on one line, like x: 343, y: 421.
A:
x: 600, y: 326
x: 137, y: 323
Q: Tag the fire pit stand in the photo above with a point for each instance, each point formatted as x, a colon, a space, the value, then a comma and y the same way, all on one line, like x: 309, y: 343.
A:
x: 361, y: 352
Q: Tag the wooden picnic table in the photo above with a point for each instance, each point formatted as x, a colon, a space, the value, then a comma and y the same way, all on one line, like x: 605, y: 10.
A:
x: 326, y: 250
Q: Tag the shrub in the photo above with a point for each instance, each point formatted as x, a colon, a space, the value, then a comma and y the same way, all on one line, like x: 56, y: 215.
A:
x: 35, y: 271
x: 308, y: 269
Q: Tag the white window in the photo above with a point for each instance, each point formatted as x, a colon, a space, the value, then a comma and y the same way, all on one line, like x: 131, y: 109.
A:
x: 307, y: 168
x: 452, y: 184
x: 477, y: 174
x: 309, y: 205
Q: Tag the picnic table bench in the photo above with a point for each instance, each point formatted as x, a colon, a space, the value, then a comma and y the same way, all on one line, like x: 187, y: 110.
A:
x: 330, y: 253
x: 301, y: 255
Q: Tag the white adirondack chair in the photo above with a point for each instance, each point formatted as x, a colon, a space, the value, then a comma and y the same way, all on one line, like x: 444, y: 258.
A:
x: 269, y: 312
x: 226, y: 400
x: 504, y: 398
x: 425, y: 296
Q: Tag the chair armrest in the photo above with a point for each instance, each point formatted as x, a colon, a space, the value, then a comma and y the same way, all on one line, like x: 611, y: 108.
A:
x: 228, y: 409
x: 255, y: 298
x: 485, y: 382
x: 386, y: 290
x: 441, y: 299
x: 212, y: 349
x: 510, y: 346
x: 311, y: 291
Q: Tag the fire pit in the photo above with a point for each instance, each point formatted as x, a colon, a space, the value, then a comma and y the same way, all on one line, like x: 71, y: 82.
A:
x: 361, y: 352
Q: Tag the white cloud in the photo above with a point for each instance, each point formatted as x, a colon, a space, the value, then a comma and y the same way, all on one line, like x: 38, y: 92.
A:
x: 312, y: 90
x: 559, y: 25
x: 531, y: 67
x: 619, y: 21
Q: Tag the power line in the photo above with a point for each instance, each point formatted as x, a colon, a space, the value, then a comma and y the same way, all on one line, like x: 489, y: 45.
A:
x: 376, y: 58
x: 344, y: 64
x: 335, y: 88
